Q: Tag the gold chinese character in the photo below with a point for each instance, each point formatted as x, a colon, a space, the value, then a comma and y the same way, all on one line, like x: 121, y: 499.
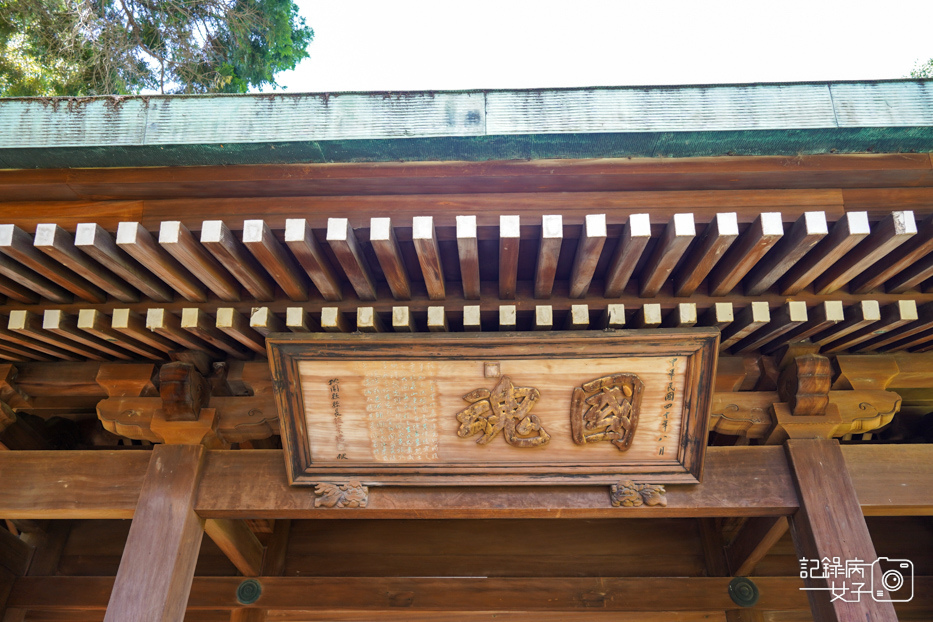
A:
x: 504, y: 409
x: 606, y: 409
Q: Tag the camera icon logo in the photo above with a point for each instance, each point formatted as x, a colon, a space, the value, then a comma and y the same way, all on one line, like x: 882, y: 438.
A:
x: 894, y: 577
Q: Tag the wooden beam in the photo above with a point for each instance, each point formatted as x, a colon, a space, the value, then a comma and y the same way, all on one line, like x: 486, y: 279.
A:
x: 684, y: 315
x: 468, y: 252
x: 99, y: 325
x: 425, y: 240
x: 785, y: 319
x: 385, y: 245
x: 271, y: 255
x: 902, y: 258
x: 745, y: 253
x: 578, y: 318
x: 804, y: 234
x: 893, y: 316
x: 613, y: 316
x: 304, y: 247
x: 264, y: 321
x: 236, y: 326
x: 297, y: 320
x: 154, y: 578
x: 168, y: 325
x: 334, y: 321
x: 891, y: 480
x: 25, y: 343
x: 204, y: 327
x: 238, y: 543
x: 709, y: 248
x: 848, y: 231
x: 30, y: 324
x: 439, y: 597
x: 677, y: 236
x: 509, y: 241
x: 14, y: 290
x: 649, y: 316
x: 232, y: 255
x: 830, y: 524
x: 133, y: 238
x: 544, y: 317
x: 18, y: 245
x: 856, y: 317
x: 133, y: 325
x: 720, y: 315
x: 753, y: 541
x: 749, y: 319
x: 508, y: 317
x: 635, y: 236
x: 472, y: 319
x: 98, y: 244
x: 367, y: 321
x: 437, y: 320
x: 66, y: 326
x: 59, y: 245
x: 17, y: 275
x: 402, y: 320
x: 589, y: 248
x: 183, y: 246
x: 552, y: 236
x: 342, y: 241
x: 898, y: 339
x: 891, y: 232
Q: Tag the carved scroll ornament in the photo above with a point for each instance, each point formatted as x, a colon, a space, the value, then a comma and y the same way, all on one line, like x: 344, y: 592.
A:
x: 339, y: 496
x: 630, y: 495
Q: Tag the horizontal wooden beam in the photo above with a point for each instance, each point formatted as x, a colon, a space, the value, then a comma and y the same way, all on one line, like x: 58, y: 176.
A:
x: 436, y: 593
x: 890, y: 480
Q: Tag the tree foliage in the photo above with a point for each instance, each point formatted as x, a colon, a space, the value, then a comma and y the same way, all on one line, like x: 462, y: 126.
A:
x: 101, y: 47
x: 923, y: 70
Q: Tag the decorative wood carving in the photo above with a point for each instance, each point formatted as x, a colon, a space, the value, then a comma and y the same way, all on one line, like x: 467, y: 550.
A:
x: 606, y: 409
x: 184, y: 391
x: 504, y: 409
x: 628, y: 494
x: 350, y: 495
x: 805, y: 383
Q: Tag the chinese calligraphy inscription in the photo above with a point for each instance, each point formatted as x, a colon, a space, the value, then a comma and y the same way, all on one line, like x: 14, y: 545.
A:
x: 504, y: 409
x: 401, y: 407
x: 606, y: 409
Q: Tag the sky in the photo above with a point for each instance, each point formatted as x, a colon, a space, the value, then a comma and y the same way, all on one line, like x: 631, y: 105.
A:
x: 395, y: 45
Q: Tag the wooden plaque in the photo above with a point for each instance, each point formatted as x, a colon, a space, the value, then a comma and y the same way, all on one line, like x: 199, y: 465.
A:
x: 495, y: 408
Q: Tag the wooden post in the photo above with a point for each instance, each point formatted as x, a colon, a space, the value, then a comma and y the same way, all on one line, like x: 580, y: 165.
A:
x: 155, y: 574
x: 830, y: 524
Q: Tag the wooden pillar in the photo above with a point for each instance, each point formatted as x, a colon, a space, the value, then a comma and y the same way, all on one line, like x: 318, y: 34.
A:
x: 154, y: 578
x: 830, y: 524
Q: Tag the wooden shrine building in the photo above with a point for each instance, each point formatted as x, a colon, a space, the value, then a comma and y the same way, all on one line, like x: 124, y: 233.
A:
x: 629, y: 354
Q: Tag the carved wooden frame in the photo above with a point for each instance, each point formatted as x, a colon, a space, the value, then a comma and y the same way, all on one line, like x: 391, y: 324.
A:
x: 698, y: 345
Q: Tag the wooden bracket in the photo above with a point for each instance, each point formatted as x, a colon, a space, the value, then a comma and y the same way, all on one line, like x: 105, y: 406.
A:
x: 128, y: 380
x: 184, y: 391
x: 203, y: 431
x: 350, y: 495
x: 9, y: 392
x: 804, y: 385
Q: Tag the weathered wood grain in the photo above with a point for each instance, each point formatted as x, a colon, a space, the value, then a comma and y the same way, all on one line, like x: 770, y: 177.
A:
x: 301, y: 242
x: 673, y: 243
x: 632, y: 242
x: 468, y: 253
x: 184, y: 247
x: 133, y: 238
x: 748, y: 249
x: 552, y: 236
x: 59, y: 245
x: 804, y: 234
x: 98, y: 244
x: 342, y: 241
x: 220, y: 242
x: 509, y: 243
x: 589, y: 248
x: 268, y: 251
x: 425, y: 239
x: 385, y: 245
x: 706, y: 252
